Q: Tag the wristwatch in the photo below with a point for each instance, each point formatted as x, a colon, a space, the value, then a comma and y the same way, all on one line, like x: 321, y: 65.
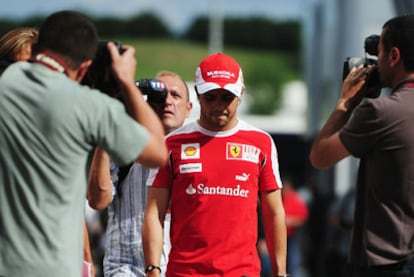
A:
x: 151, y: 268
x: 284, y: 275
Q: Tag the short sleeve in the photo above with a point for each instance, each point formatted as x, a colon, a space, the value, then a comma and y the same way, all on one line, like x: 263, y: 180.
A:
x: 362, y: 131
x: 116, y: 132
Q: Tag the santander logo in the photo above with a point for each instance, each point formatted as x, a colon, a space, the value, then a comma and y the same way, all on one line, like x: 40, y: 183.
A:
x: 202, y: 189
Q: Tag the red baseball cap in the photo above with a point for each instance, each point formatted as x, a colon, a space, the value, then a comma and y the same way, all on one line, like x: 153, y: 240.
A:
x: 219, y: 71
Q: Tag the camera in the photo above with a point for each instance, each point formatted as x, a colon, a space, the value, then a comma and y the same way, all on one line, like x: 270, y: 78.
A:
x: 373, y: 84
x: 154, y: 89
x: 99, y: 76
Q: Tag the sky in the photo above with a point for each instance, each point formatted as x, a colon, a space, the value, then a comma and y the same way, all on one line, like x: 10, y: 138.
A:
x: 175, y: 13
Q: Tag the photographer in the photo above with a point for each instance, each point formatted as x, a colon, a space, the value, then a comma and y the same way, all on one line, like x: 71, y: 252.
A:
x: 380, y: 133
x: 123, y: 243
x: 49, y: 128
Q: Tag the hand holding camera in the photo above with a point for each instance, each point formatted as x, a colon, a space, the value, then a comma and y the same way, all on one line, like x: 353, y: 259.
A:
x: 122, y: 61
x: 372, y: 88
x: 114, y: 64
x: 101, y: 75
x: 354, y: 87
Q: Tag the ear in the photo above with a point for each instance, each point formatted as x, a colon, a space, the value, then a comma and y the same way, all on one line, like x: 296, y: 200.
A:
x: 189, y: 108
x: 394, y: 56
x: 83, y: 68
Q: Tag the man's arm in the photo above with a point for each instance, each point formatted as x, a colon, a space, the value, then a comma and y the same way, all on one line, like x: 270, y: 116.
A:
x: 327, y: 148
x: 155, y: 152
x: 87, y: 255
x: 99, y: 182
x: 274, y: 223
x: 152, y: 230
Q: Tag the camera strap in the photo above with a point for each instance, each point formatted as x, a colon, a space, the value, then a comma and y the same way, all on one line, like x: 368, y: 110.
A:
x: 51, y: 61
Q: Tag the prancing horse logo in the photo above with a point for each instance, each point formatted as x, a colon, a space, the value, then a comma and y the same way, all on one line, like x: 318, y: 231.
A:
x: 235, y: 150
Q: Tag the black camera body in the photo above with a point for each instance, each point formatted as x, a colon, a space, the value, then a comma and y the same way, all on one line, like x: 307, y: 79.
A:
x: 373, y: 84
x: 99, y: 76
x: 154, y: 89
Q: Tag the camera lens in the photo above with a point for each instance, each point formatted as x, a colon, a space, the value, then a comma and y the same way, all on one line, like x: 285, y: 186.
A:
x: 371, y: 44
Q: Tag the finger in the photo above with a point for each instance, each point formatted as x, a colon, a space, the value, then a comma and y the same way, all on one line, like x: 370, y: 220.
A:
x: 113, y: 50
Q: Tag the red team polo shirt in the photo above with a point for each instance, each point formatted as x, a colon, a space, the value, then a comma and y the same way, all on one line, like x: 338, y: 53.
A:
x: 214, y: 179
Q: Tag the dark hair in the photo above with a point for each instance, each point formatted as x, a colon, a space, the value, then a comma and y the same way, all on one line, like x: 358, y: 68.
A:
x: 399, y: 32
x: 70, y: 35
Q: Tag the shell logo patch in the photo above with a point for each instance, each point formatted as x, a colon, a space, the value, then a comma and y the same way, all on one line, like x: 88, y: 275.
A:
x: 244, y: 152
x: 190, y: 151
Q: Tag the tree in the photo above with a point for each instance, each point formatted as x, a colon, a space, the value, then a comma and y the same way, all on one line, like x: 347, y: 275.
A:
x: 147, y: 25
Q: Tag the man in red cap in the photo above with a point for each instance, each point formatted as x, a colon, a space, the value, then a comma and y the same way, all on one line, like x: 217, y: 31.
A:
x: 219, y: 167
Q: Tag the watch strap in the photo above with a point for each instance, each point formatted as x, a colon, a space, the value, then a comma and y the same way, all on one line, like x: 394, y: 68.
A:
x: 151, y: 267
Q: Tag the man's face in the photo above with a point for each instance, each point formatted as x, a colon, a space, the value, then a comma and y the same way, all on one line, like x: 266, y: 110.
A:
x: 176, y: 107
x: 218, y: 110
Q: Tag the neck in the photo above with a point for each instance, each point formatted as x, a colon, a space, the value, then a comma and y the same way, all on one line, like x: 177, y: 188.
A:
x: 51, y: 61
x: 408, y: 81
x: 217, y: 126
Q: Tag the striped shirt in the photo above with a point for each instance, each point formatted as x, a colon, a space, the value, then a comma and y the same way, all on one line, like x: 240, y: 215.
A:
x: 123, y: 238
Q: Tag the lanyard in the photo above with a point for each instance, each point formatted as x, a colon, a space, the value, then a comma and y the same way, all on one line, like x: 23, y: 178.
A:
x: 51, y: 61
x: 407, y: 83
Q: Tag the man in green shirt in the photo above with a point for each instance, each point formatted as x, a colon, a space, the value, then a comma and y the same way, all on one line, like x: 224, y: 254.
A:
x: 49, y: 127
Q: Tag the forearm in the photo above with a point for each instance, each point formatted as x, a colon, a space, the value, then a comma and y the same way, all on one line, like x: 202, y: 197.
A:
x: 326, y: 149
x: 140, y: 110
x: 155, y: 152
x: 276, y: 243
x: 99, y: 183
x: 152, y: 240
x: 274, y: 222
x: 338, y: 118
x: 123, y: 67
x: 152, y: 230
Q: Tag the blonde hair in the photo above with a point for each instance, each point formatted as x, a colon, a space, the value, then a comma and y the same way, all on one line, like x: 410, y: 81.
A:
x: 14, y: 42
x: 173, y: 74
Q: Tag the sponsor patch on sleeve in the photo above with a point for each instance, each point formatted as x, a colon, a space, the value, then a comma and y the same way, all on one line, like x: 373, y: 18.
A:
x: 244, y: 152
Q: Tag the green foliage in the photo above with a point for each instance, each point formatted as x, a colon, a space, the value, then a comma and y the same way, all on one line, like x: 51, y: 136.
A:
x: 198, y: 30
x: 268, y: 51
x: 154, y: 55
x: 110, y: 26
x: 8, y: 24
x: 147, y: 25
x: 254, y: 33
x: 264, y: 72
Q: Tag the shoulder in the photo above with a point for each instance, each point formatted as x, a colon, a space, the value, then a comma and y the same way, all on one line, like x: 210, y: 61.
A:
x: 4, y: 64
x: 253, y: 131
x: 245, y: 126
x: 186, y: 129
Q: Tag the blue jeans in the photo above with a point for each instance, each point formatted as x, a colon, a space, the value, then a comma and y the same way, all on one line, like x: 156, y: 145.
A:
x: 402, y: 269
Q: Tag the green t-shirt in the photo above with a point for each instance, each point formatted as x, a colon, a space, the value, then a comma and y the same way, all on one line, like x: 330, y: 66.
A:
x: 49, y: 127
